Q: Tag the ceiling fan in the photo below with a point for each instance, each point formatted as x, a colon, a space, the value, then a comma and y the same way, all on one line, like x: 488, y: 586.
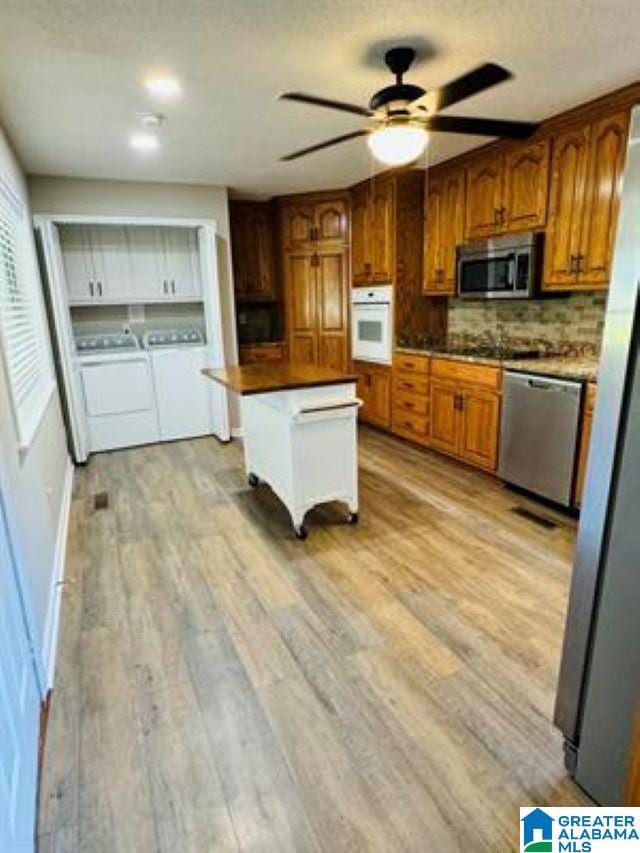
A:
x: 403, y: 114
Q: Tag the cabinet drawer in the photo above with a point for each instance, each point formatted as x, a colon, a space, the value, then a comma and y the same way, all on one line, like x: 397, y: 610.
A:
x: 249, y: 354
x: 411, y: 363
x: 404, y: 401
x: 411, y: 426
x: 459, y: 371
x: 414, y: 384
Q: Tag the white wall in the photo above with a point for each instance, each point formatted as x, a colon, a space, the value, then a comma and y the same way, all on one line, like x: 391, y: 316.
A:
x: 33, y: 483
x: 135, y: 198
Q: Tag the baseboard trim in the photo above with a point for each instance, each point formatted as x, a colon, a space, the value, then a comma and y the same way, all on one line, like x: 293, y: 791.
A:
x: 52, y: 622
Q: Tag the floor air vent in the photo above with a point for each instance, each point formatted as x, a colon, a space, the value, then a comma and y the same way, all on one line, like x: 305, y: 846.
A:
x: 540, y: 520
x: 101, y: 500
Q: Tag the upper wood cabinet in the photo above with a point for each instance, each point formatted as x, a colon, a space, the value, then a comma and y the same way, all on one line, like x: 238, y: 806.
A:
x: 484, y: 195
x: 584, y: 195
x: 444, y: 229
x: 253, y: 251
x: 306, y: 224
x: 360, y: 234
x: 373, y: 230
x: 507, y: 190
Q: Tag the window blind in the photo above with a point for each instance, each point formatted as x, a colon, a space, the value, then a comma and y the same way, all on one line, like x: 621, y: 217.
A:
x: 22, y: 329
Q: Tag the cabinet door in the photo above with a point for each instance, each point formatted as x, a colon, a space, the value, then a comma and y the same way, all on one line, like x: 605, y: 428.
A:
x: 479, y: 428
x: 360, y: 216
x: 363, y: 391
x: 569, y: 165
x: 454, y: 191
x: 253, y: 251
x: 604, y: 181
x: 433, y: 236
x: 585, y: 442
x: 300, y: 278
x: 331, y: 296
x: 331, y: 222
x: 380, y: 398
x: 444, y: 417
x: 78, y: 263
x: 384, y: 230
x: 298, y: 222
x: 111, y: 262
x: 484, y: 195
x: 181, y: 262
x: 148, y: 281
x: 526, y: 184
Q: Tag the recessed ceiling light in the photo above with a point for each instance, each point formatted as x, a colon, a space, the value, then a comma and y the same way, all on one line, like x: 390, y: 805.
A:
x: 163, y: 86
x: 144, y: 142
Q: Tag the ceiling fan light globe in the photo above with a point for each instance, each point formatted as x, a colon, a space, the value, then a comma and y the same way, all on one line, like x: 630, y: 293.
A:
x: 399, y: 144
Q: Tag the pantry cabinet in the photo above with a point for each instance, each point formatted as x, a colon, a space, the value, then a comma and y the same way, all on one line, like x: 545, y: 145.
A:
x: 444, y: 229
x: 314, y: 231
x: 253, y: 250
x: 586, y: 174
x: 114, y: 265
x: 507, y: 190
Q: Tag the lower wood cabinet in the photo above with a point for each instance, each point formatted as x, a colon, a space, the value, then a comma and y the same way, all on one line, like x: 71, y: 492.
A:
x: 411, y: 403
x: 255, y: 353
x: 465, y: 411
x: 585, y: 441
x: 374, y: 389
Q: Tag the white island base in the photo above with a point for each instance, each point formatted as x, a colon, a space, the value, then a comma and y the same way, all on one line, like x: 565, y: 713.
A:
x: 303, y: 443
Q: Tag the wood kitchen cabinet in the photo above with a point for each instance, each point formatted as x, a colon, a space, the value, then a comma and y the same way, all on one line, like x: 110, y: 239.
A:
x: 411, y: 404
x: 585, y: 442
x: 373, y: 231
x: 584, y: 195
x: 444, y: 229
x: 387, y: 247
x: 314, y: 232
x: 253, y: 250
x: 256, y: 353
x: 315, y: 222
x: 507, y: 190
x: 374, y: 389
x: 465, y: 411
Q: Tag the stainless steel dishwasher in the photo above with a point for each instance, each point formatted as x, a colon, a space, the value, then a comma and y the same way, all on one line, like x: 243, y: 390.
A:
x: 539, y: 434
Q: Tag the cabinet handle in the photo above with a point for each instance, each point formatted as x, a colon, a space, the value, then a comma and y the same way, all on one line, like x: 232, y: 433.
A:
x: 91, y: 288
x: 164, y: 285
x: 173, y: 286
x: 581, y: 263
x: 99, y: 288
x: 458, y: 402
x: 574, y: 266
x: 503, y: 214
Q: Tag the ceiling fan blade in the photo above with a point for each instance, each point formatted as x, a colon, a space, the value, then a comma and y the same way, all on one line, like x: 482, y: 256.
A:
x: 481, y: 78
x: 480, y: 126
x: 335, y: 141
x: 314, y: 101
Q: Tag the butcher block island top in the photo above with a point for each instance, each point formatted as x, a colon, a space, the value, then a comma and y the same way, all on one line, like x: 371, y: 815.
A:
x: 280, y: 376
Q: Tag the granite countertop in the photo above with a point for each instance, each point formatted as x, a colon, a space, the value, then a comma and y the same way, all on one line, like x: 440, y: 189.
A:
x: 580, y: 368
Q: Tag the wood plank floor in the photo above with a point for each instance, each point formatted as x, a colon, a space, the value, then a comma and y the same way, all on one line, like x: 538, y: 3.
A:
x: 222, y: 686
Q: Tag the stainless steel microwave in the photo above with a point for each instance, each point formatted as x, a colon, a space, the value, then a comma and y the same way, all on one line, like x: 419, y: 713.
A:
x: 500, y: 267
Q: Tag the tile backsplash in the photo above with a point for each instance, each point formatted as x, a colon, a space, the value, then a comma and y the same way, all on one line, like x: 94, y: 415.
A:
x: 574, y: 322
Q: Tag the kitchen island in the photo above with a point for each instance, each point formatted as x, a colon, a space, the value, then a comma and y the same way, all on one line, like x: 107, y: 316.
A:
x: 299, y: 427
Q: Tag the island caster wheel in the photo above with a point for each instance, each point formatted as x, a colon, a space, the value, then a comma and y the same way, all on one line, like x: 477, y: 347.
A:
x: 301, y: 532
x: 253, y: 480
x: 352, y: 518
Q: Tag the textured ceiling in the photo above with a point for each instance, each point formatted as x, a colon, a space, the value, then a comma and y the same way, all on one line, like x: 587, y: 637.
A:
x: 70, y: 73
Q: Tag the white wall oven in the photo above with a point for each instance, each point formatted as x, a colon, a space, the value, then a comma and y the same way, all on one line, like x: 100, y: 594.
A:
x: 372, y: 323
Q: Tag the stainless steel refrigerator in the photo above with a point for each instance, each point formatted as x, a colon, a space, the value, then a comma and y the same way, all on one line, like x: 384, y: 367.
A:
x: 598, y: 701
